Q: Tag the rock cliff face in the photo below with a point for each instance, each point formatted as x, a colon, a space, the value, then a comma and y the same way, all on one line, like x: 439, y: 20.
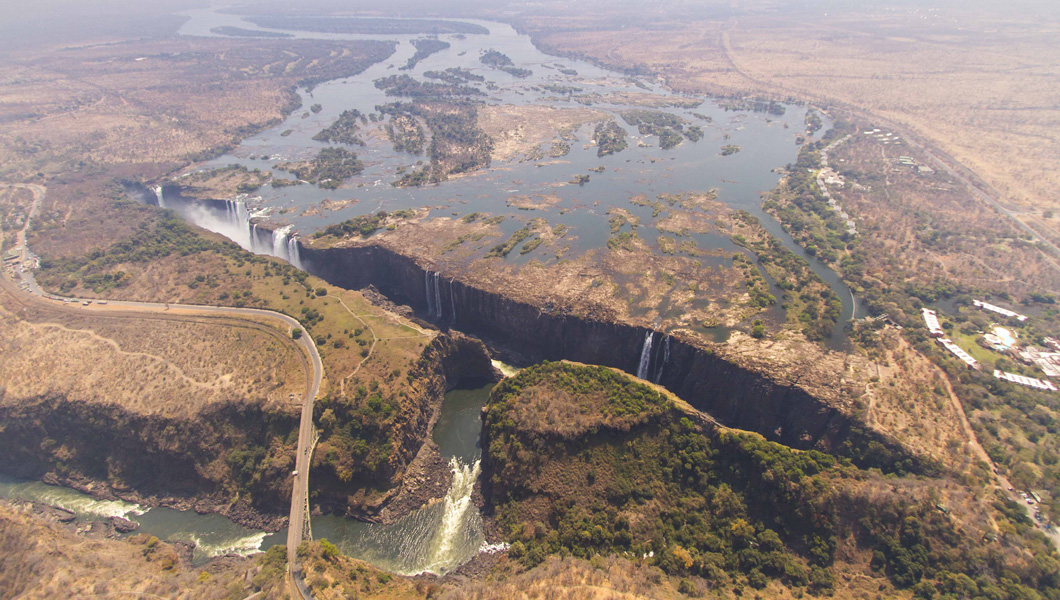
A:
x: 230, y: 458
x: 361, y: 462
x: 736, y: 396
x: 229, y: 452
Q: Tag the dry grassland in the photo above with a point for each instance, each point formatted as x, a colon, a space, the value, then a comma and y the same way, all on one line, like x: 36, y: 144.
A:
x: 957, y: 238
x: 44, y: 560
x: 516, y: 130
x: 154, y: 102
x: 147, y: 365
x: 911, y: 400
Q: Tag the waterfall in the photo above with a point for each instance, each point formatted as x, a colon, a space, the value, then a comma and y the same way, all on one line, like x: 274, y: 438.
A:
x: 427, y: 291
x: 645, y: 356
x: 446, y: 552
x: 158, y: 196
x: 452, y: 301
x: 665, y: 359
x: 294, y: 252
x: 438, y: 295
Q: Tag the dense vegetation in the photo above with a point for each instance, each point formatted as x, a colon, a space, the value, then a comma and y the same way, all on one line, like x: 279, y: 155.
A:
x: 500, y: 61
x: 755, y: 105
x: 668, y: 127
x: 454, y: 76
x: 457, y: 144
x: 405, y: 85
x: 406, y: 133
x: 363, y: 225
x: 503, y: 249
x: 584, y: 461
x: 424, y: 48
x: 343, y: 130
x: 328, y: 169
x: 610, y: 138
x: 809, y: 303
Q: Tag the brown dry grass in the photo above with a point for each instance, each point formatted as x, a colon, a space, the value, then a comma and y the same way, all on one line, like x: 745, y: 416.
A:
x: 516, y: 130
x: 913, y: 402
x: 958, y: 239
x: 152, y: 102
x: 45, y: 560
x: 145, y: 365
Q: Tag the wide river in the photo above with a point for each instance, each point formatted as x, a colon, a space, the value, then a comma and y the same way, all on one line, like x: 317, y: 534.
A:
x: 766, y: 141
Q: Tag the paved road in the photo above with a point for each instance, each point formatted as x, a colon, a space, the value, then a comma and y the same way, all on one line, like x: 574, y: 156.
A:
x: 306, y: 433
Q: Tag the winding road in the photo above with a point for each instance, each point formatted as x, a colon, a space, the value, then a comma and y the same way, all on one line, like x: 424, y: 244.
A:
x: 252, y: 317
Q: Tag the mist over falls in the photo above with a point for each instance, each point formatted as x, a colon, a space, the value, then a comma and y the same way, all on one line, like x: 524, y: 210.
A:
x: 234, y: 220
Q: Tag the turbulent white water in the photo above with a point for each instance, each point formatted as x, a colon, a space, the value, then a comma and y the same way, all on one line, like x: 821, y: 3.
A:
x: 236, y: 223
x: 159, y: 197
x: 86, y: 506
x: 450, y: 543
x: 436, y: 538
x: 645, y: 356
x: 243, y: 546
x: 438, y: 294
x: 505, y: 369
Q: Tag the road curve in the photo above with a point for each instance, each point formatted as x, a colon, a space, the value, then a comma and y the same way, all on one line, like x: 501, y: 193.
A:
x: 306, y: 433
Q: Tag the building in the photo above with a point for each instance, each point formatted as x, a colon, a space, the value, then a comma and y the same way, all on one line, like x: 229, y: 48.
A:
x: 959, y: 353
x: 931, y: 319
x: 1001, y: 311
x: 1048, y: 362
x: 1045, y: 386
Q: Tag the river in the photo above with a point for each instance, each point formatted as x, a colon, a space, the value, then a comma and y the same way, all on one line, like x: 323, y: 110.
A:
x: 767, y: 142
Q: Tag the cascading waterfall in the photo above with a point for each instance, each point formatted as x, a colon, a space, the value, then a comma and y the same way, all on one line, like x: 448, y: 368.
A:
x: 448, y: 549
x: 427, y: 292
x: 438, y: 295
x: 665, y: 359
x: 645, y: 356
x: 159, y: 197
x: 235, y: 222
x: 452, y: 301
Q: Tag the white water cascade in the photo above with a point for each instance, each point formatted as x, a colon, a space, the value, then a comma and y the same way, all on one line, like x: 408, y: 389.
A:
x: 452, y: 301
x: 427, y: 292
x: 449, y: 548
x: 645, y: 356
x: 438, y: 294
x: 665, y: 359
x: 433, y: 290
x: 158, y: 196
x: 235, y: 222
